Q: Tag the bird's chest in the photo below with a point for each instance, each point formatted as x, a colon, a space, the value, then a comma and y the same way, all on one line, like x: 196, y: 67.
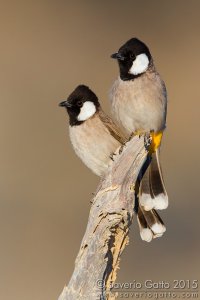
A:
x: 139, y: 105
x: 86, y: 138
x: 93, y: 144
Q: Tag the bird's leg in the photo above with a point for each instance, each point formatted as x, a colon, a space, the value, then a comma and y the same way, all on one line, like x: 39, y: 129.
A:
x: 147, y: 141
x: 155, y: 138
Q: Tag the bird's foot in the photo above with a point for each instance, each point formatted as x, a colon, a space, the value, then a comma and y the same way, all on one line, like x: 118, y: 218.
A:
x: 122, y: 148
x: 147, y: 141
x: 112, y: 156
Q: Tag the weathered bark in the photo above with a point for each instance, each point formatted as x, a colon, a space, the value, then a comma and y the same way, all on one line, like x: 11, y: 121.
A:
x: 108, y: 226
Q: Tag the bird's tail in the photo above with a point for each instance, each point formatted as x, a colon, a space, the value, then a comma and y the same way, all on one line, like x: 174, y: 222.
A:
x: 152, y: 192
x: 150, y: 224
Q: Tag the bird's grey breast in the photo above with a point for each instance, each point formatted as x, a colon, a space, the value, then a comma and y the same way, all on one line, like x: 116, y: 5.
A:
x: 93, y: 143
x: 140, y: 104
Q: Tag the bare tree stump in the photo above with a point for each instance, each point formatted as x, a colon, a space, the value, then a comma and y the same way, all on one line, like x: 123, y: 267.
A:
x: 108, y: 226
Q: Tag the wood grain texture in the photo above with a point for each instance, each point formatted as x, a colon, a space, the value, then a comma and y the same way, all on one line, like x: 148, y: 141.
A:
x: 108, y: 226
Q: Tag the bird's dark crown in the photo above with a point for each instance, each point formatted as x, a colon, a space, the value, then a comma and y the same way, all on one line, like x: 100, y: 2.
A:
x: 76, y: 100
x: 127, y: 53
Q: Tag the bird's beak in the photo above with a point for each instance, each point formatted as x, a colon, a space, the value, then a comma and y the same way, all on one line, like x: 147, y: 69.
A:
x: 65, y: 104
x: 117, y: 56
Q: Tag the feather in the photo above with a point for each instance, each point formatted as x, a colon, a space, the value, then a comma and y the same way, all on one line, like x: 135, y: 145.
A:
x: 158, y: 189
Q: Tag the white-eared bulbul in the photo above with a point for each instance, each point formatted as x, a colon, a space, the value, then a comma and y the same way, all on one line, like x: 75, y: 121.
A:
x: 95, y: 138
x: 139, y: 104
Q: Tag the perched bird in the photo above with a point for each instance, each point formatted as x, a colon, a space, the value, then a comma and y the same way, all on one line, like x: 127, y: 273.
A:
x: 139, y: 104
x: 95, y: 138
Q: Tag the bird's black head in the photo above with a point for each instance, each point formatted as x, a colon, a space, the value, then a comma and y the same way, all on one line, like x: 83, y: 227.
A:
x: 134, y: 59
x: 81, y: 105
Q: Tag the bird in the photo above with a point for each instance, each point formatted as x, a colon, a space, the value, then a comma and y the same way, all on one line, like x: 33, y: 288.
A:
x: 95, y: 137
x: 139, y: 105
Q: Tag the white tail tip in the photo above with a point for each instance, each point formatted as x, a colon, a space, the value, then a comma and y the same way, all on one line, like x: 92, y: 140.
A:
x: 147, y: 202
x: 146, y: 234
x: 158, y: 228
x: 161, y: 202
x: 157, y: 235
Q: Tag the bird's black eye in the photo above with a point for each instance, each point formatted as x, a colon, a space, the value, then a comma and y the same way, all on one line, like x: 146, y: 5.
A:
x: 132, y: 56
x: 79, y: 103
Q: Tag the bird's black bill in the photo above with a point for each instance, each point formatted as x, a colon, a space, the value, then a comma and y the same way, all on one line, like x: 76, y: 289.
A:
x: 117, y: 56
x: 65, y: 104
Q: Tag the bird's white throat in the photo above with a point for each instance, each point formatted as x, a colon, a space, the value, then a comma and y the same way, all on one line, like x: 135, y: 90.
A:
x: 87, y: 110
x: 140, y: 64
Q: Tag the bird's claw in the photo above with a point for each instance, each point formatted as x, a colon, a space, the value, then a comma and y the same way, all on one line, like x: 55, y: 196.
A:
x: 112, y: 156
x: 147, y: 141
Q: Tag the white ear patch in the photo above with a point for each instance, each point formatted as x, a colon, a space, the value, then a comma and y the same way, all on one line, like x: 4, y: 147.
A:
x: 87, y: 110
x: 140, y: 64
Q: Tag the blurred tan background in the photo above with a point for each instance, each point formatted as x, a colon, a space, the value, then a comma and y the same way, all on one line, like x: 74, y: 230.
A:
x: 47, y: 48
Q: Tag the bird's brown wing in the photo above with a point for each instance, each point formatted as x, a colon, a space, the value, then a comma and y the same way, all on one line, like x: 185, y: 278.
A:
x: 112, y: 127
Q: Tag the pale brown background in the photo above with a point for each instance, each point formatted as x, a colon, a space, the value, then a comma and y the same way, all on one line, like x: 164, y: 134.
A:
x: 46, y: 49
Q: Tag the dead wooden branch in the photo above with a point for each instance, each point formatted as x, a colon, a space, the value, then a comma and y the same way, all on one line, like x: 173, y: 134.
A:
x: 108, y: 226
